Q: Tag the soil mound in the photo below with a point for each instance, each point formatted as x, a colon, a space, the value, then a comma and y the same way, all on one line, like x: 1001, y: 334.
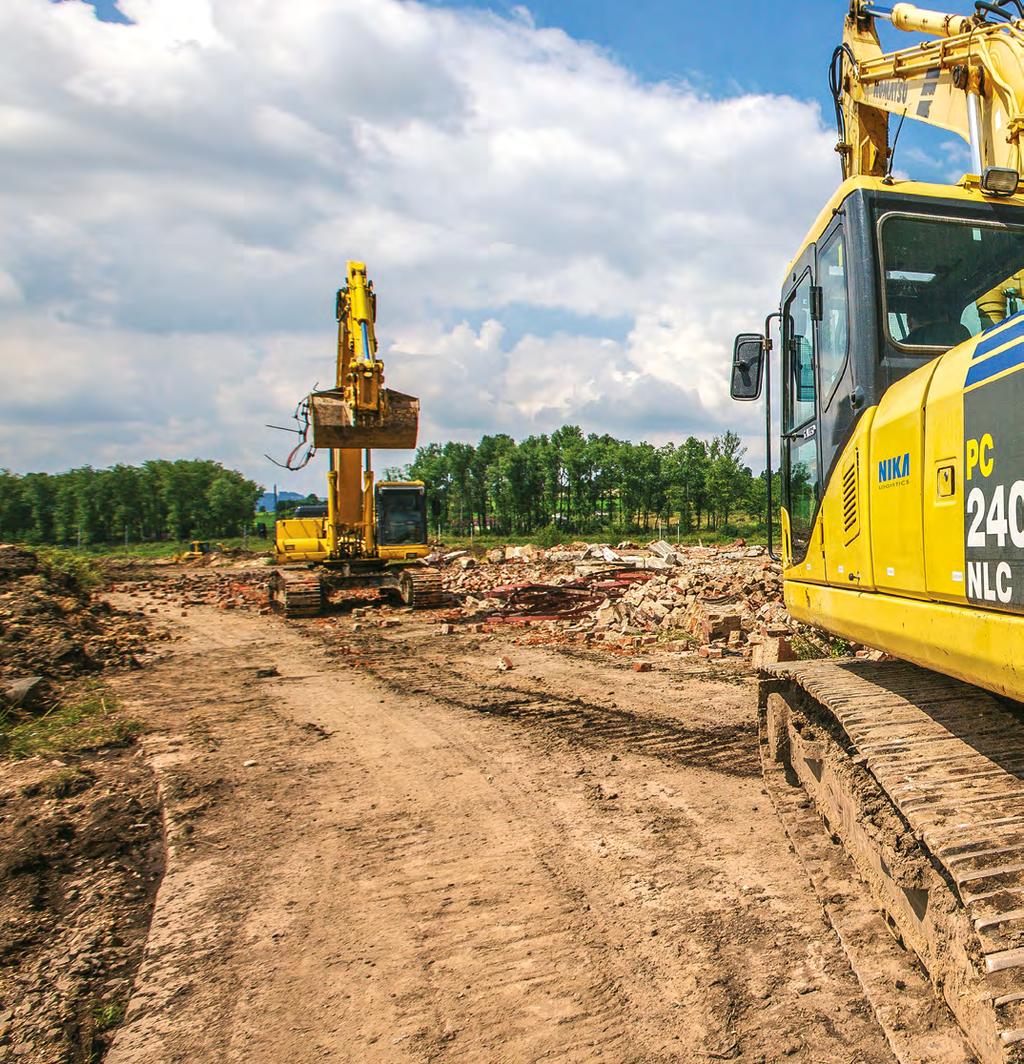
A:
x: 51, y: 626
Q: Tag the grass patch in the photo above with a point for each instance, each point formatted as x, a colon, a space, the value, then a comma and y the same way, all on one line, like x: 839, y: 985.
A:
x: 678, y: 635
x: 106, y: 1017
x: 89, y: 722
x: 70, y: 563
x: 552, y: 536
x: 164, y: 548
x: 822, y: 645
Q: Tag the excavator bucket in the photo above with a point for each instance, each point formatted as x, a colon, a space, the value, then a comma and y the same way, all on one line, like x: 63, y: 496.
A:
x: 336, y: 424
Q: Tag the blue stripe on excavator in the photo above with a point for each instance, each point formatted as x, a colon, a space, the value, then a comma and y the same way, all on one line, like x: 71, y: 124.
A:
x: 981, y: 371
x: 991, y: 340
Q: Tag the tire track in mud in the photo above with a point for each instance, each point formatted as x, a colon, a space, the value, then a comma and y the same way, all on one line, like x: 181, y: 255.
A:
x: 488, y: 923
x: 730, y: 749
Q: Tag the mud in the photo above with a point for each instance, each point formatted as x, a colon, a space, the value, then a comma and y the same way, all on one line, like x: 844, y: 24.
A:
x: 50, y: 626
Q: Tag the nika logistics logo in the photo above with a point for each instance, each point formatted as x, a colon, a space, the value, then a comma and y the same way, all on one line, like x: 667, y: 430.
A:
x: 893, y: 471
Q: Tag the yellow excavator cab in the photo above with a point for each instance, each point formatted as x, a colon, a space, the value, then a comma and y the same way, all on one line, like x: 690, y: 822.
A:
x: 900, y: 382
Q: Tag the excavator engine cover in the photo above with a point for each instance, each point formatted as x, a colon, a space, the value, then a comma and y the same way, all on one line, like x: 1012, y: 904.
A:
x: 336, y: 424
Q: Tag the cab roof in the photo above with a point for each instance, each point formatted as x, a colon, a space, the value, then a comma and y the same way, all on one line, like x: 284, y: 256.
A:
x: 966, y: 189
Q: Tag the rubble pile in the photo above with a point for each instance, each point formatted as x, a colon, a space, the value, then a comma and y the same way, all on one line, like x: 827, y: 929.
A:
x: 227, y: 591
x: 51, y: 627
x: 722, y: 605
x: 724, y: 600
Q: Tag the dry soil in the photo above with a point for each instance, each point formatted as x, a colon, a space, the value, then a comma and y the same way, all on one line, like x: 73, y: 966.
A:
x: 384, y: 847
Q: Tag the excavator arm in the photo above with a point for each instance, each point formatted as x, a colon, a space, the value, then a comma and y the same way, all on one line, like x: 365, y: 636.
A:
x: 359, y: 412
x: 969, y: 80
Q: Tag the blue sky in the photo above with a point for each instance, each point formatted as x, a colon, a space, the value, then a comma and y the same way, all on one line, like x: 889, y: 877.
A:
x: 718, y: 46
x: 563, y: 227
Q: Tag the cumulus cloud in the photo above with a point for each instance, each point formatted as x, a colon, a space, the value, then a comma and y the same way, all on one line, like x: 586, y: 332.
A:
x: 552, y: 239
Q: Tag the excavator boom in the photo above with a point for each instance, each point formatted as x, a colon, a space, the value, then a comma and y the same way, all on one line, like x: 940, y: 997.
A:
x: 359, y: 412
x: 969, y: 81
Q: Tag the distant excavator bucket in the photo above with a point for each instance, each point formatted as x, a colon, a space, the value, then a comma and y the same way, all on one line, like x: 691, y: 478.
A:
x: 336, y: 424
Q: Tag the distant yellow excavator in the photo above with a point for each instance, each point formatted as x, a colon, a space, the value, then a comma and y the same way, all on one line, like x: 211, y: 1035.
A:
x: 367, y: 535
x: 902, y: 471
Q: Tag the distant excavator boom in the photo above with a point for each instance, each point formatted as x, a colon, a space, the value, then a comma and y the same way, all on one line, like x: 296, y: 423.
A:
x: 359, y: 412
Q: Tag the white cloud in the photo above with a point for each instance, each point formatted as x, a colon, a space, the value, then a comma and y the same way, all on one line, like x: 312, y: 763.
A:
x: 552, y: 240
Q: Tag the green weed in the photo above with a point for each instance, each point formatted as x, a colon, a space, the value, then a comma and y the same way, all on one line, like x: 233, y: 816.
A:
x: 105, y: 1017
x: 90, y: 722
x: 70, y: 563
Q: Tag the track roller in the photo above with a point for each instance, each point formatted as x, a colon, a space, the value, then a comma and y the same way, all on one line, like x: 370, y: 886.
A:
x: 297, y: 592
x: 423, y: 589
x: 921, y: 779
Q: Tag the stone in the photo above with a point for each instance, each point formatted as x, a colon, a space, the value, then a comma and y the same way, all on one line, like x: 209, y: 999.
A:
x: 772, y: 650
x: 26, y: 692
x: 661, y: 549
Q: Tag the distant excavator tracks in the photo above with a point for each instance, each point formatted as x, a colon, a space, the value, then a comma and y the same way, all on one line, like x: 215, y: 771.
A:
x: 409, y: 670
x: 920, y: 778
x: 302, y: 592
x: 297, y: 592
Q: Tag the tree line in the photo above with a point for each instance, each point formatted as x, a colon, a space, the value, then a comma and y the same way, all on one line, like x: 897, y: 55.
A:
x: 177, y: 500
x: 584, y: 483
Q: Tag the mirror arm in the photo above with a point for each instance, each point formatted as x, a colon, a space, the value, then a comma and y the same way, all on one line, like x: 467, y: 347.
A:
x: 768, y: 423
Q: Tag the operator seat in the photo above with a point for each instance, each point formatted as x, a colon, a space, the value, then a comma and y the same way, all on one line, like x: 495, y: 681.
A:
x: 938, y: 334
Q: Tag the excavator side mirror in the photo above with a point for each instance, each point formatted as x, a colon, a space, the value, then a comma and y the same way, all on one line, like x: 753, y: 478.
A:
x: 747, y: 367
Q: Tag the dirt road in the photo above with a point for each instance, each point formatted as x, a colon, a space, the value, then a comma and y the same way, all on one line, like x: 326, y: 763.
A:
x: 389, y: 850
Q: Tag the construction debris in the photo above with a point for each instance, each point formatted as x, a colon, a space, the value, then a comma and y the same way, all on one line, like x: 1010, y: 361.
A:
x: 726, y: 601
x: 712, y: 602
x: 227, y: 591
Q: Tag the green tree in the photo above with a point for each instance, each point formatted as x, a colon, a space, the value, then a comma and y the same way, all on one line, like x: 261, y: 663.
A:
x: 727, y: 479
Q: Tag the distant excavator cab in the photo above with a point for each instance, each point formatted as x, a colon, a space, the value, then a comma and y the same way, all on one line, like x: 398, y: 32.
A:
x: 401, y: 518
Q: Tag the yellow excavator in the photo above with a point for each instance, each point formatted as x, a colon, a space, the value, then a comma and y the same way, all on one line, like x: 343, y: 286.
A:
x: 367, y: 535
x: 900, y: 354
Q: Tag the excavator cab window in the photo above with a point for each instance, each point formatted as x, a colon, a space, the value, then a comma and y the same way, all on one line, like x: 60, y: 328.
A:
x: 834, y: 327
x: 401, y: 516
x: 946, y: 279
x: 799, y: 410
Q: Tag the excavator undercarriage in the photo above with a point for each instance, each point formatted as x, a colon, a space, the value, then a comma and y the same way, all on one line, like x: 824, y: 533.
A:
x: 304, y: 592
x: 919, y: 778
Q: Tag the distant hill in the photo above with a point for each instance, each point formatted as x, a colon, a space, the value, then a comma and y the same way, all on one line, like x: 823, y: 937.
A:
x: 266, y: 500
